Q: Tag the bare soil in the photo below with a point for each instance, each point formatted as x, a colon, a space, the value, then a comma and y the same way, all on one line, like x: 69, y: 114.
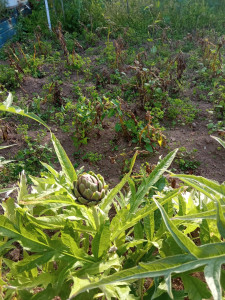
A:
x: 111, y: 166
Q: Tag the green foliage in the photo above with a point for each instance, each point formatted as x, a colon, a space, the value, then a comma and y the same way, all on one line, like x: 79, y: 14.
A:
x: 28, y: 159
x: 25, y: 63
x: 216, y: 127
x: 74, y: 16
x: 109, y: 54
x: 142, y: 132
x: 87, y: 113
x: 92, y: 157
x: 3, y: 10
x: 80, y: 64
x: 218, y: 97
x: 9, y: 77
x: 182, y: 110
x: 66, y: 244
x: 219, y: 140
x: 186, y: 160
x: 156, y: 232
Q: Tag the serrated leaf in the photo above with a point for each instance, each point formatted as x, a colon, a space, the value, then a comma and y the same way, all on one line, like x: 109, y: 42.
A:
x: 9, y: 207
x: 212, y: 276
x: 222, y: 143
x: 6, y: 245
x: 163, y: 267
x: 9, y: 100
x: 148, y: 182
x: 131, y: 219
x: 149, y: 226
x: 64, y: 161
x: 19, y: 111
x: 196, y: 289
x: 183, y: 241
x: 138, y: 231
x: 220, y: 220
x: 68, y: 239
x: 33, y: 261
x: 113, y: 262
x: 37, y: 241
x: 111, y: 195
x: 22, y: 187
x: 182, y: 206
x: 210, y: 188
x: 28, y: 239
x: 204, y: 232
x: 50, y: 169
x: 101, y: 241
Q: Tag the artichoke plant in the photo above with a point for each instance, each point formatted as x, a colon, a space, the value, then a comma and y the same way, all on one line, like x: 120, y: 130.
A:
x: 90, y: 188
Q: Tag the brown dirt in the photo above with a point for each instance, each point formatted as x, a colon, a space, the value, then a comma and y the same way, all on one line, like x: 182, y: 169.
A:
x: 111, y: 166
x: 100, y: 141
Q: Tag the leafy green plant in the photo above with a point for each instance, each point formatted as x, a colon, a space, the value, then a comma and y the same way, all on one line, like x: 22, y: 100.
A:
x: 109, y: 53
x: 186, y: 160
x: 218, y: 97
x: 142, y: 132
x: 216, y: 127
x: 87, y: 113
x: 70, y: 249
x: 92, y: 157
x: 182, y: 110
x: 9, y: 77
x: 27, y: 159
x: 25, y: 63
x: 80, y: 64
x: 23, y: 130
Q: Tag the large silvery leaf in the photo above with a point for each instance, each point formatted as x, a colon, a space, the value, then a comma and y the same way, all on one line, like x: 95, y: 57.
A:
x: 36, y: 241
x: 220, y: 220
x: 6, y: 107
x: 151, y: 180
x: 22, y: 187
x: 129, y: 220
x: 111, y: 195
x: 196, y: 289
x: 181, y: 239
x: 222, y: 143
x: 65, y: 162
x: 212, y: 256
x: 210, y: 188
x: 177, y: 264
x: 101, y: 241
x: 3, y: 147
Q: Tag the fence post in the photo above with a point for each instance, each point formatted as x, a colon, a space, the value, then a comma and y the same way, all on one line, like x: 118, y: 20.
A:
x: 48, y: 15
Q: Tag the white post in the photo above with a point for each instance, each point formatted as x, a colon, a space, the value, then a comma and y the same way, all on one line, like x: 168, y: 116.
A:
x: 48, y: 15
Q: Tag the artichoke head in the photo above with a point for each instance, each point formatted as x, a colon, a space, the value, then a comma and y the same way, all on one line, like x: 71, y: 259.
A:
x: 90, y: 188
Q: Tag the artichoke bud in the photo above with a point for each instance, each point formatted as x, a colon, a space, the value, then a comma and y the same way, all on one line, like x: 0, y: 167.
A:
x: 90, y: 188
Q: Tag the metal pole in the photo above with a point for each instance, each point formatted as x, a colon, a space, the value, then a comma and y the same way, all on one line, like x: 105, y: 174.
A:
x: 48, y: 15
